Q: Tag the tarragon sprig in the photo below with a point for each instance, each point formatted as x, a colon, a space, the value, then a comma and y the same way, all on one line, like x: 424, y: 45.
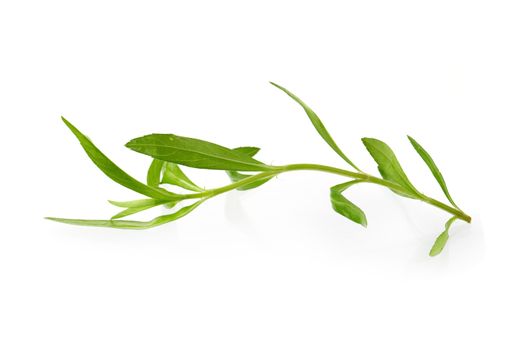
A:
x: 170, y: 152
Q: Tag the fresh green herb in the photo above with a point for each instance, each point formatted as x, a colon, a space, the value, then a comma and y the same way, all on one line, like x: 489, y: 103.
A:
x: 170, y: 152
x: 343, y: 206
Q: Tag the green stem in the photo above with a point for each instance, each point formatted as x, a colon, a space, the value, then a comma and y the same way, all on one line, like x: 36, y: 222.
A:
x: 328, y: 169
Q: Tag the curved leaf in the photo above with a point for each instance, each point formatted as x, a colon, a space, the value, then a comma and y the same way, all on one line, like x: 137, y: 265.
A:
x: 194, y: 153
x: 138, y: 203
x: 173, y: 175
x: 136, y: 206
x: 389, y: 166
x: 113, y: 171
x: 131, y: 211
x: 343, y: 206
x: 154, y: 172
x: 319, y: 126
x: 433, y: 168
x: 133, y: 225
x: 442, y: 239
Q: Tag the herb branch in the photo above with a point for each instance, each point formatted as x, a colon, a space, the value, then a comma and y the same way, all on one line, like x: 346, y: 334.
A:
x: 170, y: 152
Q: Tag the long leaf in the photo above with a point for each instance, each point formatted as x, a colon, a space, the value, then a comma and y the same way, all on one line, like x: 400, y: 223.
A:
x: 433, y: 168
x: 319, y: 126
x: 154, y: 172
x: 128, y: 224
x: 173, y: 175
x: 389, y: 166
x: 138, y: 203
x: 442, y: 239
x: 131, y: 211
x: 343, y: 206
x: 113, y: 171
x: 193, y: 153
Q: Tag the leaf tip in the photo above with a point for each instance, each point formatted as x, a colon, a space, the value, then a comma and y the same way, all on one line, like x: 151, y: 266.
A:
x: 367, y: 141
x: 278, y: 86
x: 412, y: 140
x: 130, y: 144
x: 71, y: 127
x: 65, y: 121
x: 50, y: 218
x: 434, y: 252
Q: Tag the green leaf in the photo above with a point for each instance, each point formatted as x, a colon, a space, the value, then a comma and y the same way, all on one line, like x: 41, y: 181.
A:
x: 319, y: 126
x: 173, y: 175
x: 247, y: 151
x: 442, y: 239
x: 113, y: 171
x: 236, y: 176
x: 194, y: 153
x: 389, y: 166
x: 136, y: 206
x: 343, y: 206
x: 133, y: 225
x: 138, y: 203
x: 433, y: 168
x: 131, y: 211
x: 154, y: 172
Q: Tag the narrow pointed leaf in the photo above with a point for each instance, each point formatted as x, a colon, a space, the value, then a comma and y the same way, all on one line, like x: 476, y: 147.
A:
x: 154, y: 172
x: 193, y: 153
x: 433, y: 168
x: 136, y: 206
x: 138, y: 203
x: 343, y: 206
x: 173, y: 175
x: 132, y: 225
x: 113, y: 171
x: 131, y: 211
x: 442, y: 239
x: 318, y: 124
x: 389, y: 166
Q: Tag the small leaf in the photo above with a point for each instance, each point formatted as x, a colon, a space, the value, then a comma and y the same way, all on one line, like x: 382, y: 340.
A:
x: 389, y: 166
x: 433, y: 168
x: 194, y: 153
x: 319, y: 126
x: 442, y: 239
x: 113, y: 171
x: 133, y: 225
x: 173, y: 175
x: 236, y: 176
x: 247, y: 151
x: 343, y: 206
x: 154, y: 172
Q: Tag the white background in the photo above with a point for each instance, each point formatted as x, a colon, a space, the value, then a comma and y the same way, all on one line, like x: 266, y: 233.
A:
x: 274, y: 268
